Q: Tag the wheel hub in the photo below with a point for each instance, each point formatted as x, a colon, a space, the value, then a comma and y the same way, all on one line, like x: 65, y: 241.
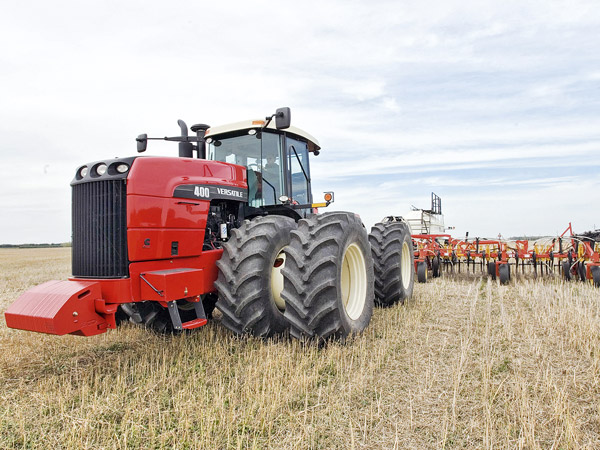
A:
x: 405, y: 265
x: 277, y: 280
x: 354, y: 281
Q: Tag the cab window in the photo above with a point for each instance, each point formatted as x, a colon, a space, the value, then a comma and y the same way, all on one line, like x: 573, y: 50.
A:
x: 260, y: 153
x: 299, y: 170
x: 272, y: 169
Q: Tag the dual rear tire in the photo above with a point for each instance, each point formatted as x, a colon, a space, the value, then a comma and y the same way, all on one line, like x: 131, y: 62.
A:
x: 392, y: 251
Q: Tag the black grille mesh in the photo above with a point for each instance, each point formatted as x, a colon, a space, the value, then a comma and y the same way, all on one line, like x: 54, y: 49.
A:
x: 100, y: 229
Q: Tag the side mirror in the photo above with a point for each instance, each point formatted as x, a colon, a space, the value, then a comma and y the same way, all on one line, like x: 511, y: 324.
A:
x: 142, y: 142
x: 283, y: 118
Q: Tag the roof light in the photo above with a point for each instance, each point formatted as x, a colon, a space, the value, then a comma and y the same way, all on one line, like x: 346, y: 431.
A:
x: 258, y: 122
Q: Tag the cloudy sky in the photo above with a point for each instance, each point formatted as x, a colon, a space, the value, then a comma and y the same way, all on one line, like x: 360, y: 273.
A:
x: 495, y: 106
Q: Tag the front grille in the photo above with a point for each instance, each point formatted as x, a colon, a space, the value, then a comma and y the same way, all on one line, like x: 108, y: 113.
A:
x: 100, y: 229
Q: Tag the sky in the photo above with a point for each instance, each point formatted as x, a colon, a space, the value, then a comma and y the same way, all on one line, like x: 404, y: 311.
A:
x: 494, y: 106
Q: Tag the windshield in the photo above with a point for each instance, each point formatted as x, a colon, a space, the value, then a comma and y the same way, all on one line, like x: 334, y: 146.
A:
x: 260, y: 153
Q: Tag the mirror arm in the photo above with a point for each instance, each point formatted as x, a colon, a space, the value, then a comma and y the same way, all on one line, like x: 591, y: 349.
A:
x: 268, y: 120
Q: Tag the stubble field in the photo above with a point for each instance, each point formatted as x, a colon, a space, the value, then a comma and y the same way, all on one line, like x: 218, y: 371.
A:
x: 467, y: 363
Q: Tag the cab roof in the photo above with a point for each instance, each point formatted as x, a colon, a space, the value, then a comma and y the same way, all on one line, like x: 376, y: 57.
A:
x: 313, y: 144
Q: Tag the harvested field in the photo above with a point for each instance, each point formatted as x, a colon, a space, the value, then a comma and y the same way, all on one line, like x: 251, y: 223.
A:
x: 466, y: 364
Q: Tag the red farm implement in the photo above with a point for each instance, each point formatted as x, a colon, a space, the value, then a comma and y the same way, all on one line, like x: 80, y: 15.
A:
x: 569, y: 255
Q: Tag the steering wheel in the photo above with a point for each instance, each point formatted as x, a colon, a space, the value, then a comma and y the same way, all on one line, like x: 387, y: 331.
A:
x: 254, y: 167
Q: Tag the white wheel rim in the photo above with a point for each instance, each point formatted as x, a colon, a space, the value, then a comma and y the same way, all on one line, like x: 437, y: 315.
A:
x: 277, y: 281
x: 405, y: 266
x: 354, y: 281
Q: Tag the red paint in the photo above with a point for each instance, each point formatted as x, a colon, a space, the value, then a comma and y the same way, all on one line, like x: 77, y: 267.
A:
x: 155, y: 221
x: 189, y: 243
x: 171, y: 284
x: 49, y: 307
x: 158, y: 176
x: 59, y: 307
x: 196, y: 323
x: 206, y: 262
x: 157, y: 212
x: 154, y: 216
x: 126, y: 290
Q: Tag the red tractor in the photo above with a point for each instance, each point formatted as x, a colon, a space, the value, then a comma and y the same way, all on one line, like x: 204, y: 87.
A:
x: 161, y: 241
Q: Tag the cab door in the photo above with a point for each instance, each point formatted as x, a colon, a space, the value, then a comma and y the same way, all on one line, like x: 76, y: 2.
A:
x: 298, y: 169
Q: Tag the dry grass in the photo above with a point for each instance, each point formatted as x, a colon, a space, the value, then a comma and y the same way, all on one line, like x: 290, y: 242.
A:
x: 467, y: 364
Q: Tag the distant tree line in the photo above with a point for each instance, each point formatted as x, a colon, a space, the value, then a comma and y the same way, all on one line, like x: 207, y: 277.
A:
x: 592, y: 235
x: 588, y: 235
x: 525, y: 238
x: 45, y: 245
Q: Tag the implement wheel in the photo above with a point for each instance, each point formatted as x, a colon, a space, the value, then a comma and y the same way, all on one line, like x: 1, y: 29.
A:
x: 492, y: 269
x: 581, y: 271
x: 328, y: 277
x: 435, y: 266
x: 595, y: 275
x: 391, y: 248
x: 504, y: 272
x: 250, y: 281
x: 422, y: 272
x: 566, y: 270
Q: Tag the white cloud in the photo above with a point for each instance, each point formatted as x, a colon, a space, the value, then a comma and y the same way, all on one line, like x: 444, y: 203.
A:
x: 421, y: 91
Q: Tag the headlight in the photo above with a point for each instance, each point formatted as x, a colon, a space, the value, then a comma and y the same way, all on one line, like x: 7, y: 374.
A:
x: 101, y: 169
x: 83, y: 171
x: 122, y: 168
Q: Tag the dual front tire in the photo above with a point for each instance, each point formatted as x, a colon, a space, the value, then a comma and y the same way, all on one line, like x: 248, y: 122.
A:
x: 314, y: 278
x: 328, y: 277
x: 249, y: 283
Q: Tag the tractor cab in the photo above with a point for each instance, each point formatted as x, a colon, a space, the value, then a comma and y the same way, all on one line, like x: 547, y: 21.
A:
x: 277, y: 160
x: 274, y: 154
